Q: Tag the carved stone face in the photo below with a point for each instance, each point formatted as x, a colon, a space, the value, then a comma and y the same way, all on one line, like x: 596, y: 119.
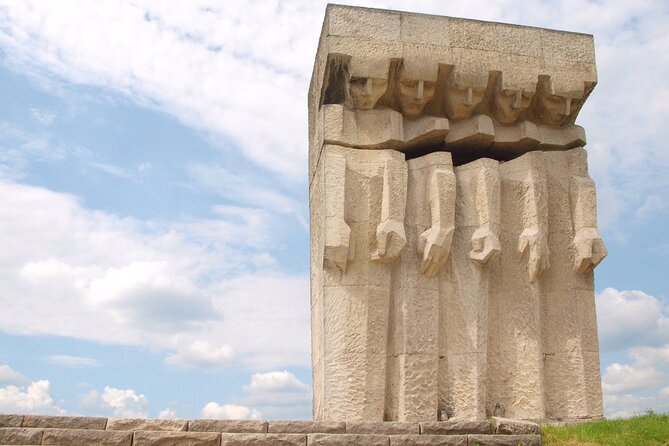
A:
x: 367, y: 91
x: 510, y: 103
x: 413, y: 95
x: 554, y: 108
x: 461, y: 101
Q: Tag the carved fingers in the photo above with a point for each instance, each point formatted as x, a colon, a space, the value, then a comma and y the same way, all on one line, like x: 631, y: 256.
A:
x: 433, y: 247
x: 535, y: 243
x: 589, y: 249
x: 485, y: 246
x: 338, y: 246
x: 390, y: 240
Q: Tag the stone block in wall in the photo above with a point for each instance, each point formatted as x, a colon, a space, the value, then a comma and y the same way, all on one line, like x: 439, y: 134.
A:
x: 504, y: 440
x: 11, y: 420
x: 306, y: 427
x: 86, y: 437
x: 514, y: 427
x: 347, y: 440
x: 164, y: 438
x: 142, y: 424
x: 455, y: 427
x: 382, y: 428
x: 428, y: 440
x: 231, y: 426
x: 64, y: 422
x: 263, y: 439
x: 20, y: 435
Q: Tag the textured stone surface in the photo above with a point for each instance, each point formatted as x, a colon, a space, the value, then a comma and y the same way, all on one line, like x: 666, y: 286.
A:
x: 386, y: 428
x: 456, y: 427
x: 451, y: 285
x: 11, y: 420
x: 163, y: 438
x: 504, y: 440
x: 86, y: 437
x: 64, y: 422
x: 21, y: 435
x: 263, y: 439
x: 127, y: 424
x: 233, y: 426
x: 514, y: 427
x: 428, y: 440
x: 306, y: 427
x: 347, y: 440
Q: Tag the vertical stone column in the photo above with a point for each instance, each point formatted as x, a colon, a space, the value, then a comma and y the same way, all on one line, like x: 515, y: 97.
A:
x: 573, y: 389
x: 350, y: 321
x: 465, y: 290
x: 515, y: 359
x: 412, y: 393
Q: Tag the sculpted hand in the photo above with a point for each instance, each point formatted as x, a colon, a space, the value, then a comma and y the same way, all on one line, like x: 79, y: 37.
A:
x: 534, y: 241
x: 434, y: 246
x: 485, y: 246
x: 337, y: 240
x: 390, y: 240
x: 589, y: 249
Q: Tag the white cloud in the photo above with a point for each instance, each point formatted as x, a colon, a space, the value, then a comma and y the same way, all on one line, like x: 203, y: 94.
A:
x: 630, y: 318
x: 213, y: 410
x: 10, y: 377
x: 119, y: 403
x: 167, y: 414
x: 279, y: 395
x: 277, y: 381
x: 34, y: 398
x: 73, y: 361
x: 201, y: 354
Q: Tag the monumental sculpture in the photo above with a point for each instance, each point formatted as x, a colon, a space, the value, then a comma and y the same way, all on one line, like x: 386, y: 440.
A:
x: 453, y: 222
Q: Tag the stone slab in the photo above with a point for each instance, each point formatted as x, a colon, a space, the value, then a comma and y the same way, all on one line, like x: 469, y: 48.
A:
x: 141, y: 424
x: 455, y: 427
x: 64, y: 422
x: 11, y: 420
x: 428, y: 440
x: 306, y: 427
x: 20, y: 435
x: 163, y: 438
x: 504, y: 440
x: 263, y: 439
x: 86, y: 437
x: 382, y: 428
x: 347, y: 440
x: 514, y: 427
x: 230, y: 426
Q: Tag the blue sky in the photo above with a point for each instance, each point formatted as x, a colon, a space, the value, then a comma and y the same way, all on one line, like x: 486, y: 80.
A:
x: 153, y: 201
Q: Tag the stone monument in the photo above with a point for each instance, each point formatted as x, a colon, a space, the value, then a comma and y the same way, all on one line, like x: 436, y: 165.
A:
x: 453, y: 221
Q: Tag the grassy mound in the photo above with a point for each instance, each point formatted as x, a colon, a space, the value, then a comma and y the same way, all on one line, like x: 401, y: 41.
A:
x: 648, y: 430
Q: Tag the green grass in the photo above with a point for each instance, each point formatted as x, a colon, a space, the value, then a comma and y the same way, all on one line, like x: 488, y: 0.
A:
x: 648, y: 430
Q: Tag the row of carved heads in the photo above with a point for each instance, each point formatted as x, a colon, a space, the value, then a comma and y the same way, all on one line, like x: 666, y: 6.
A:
x: 451, y: 95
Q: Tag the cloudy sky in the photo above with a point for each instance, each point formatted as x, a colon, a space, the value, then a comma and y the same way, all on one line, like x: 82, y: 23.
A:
x: 153, y: 201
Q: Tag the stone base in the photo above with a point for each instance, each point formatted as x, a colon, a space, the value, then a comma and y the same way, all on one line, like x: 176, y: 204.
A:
x: 88, y: 431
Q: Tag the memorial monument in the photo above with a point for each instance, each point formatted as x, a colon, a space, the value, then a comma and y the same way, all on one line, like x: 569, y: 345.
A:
x: 453, y: 222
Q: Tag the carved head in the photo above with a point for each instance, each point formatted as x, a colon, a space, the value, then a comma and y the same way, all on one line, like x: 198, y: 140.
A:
x: 461, y: 101
x: 554, y: 109
x: 367, y: 91
x: 413, y: 94
x: 510, y: 103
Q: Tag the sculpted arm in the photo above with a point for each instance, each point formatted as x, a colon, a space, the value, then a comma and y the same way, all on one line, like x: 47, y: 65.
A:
x: 589, y: 249
x: 390, y: 235
x: 485, y: 240
x: 534, y: 238
x: 337, y: 232
x: 434, y: 244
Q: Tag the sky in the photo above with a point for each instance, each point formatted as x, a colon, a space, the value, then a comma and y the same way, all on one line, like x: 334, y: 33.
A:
x: 154, y: 248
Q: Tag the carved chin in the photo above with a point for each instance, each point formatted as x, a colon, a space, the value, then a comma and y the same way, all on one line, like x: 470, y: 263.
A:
x: 412, y: 109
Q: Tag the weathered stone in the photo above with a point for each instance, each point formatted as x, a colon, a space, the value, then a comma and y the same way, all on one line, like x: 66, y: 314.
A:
x: 164, y: 438
x: 306, y: 427
x: 263, y: 439
x: 514, y: 427
x: 20, y: 435
x: 86, y: 437
x: 504, y: 440
x: 64, y: 422
x: 232, y: 426
x: 381, y: 428
x: 137, y: 424
x: 11, y: 420
x: 455, y: 427
x: 428, y: 440
x: 347, y: 440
